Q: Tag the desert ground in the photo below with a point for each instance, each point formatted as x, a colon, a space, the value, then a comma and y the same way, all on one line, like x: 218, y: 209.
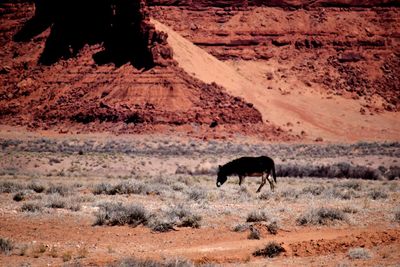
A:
x: 114, y: 120
x: 124, y: 201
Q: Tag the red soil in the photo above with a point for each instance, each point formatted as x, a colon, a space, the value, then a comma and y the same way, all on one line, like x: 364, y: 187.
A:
x: 217, y: 245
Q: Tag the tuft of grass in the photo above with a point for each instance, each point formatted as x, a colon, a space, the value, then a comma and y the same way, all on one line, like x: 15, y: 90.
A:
x: 340, y: 193
x: 266, y: 195
x: 393, y: 173
x: 126, y: 187
x: 273, y: 228
x: 192, y: 220
x: 6, y: 245
x: 56, y: 202
x: 162, y: 227
x: 290, y: 193
x: 349, y: 209
x: 132, y: 262
x: 377, y: 194
x: 67, y: 256
x: 197, y: 194
x: 359, y: 254
x: 240, y: 227
x: 314, y: 190
x: 272, y: 249
x: 257, y: 216
x: 254, y: 233
x: 321, y: 216
x: 397, y: 215
x: 352, y: 184
x: 19, y: 196
x: 183, y: 217
x: 31, y: 207
x: 118, y: 214
x: 58, y: 189
x: 37, y: 187
x: 9, y: 187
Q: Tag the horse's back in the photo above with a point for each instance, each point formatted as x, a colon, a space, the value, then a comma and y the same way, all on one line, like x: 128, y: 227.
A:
x: 253, y: 164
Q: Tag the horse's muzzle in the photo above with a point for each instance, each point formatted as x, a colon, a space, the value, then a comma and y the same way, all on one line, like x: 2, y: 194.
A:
x: 218, y: 184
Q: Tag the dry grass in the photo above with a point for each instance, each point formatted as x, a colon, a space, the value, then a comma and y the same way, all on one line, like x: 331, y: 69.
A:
x: 6, y: 245
x: 143, y: 178
x: 322, y: 216
x: 272, y: 249
x: 359, y: 254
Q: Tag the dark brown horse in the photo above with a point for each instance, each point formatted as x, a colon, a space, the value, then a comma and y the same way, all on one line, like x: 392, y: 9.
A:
x: 248, y: 166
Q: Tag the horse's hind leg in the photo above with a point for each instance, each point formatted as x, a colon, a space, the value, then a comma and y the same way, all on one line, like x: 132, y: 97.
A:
x: 262, y: 183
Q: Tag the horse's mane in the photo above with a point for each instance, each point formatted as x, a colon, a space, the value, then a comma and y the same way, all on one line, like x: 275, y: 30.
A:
x: 229, y: 167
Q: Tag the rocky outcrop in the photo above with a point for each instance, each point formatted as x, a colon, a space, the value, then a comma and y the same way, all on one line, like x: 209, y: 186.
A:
x: 360, y: 39
x: 274, y: 3
x: 122, y: 26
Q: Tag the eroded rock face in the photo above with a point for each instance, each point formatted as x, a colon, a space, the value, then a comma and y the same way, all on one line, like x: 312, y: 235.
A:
x: 278, y: 3
x: 123, y: 27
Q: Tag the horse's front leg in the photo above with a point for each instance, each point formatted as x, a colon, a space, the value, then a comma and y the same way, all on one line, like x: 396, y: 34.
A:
x: 262, y: 182
x: 241, y: 179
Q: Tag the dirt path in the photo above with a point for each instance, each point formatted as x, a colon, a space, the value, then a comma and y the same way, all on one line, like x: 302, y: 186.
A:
x: 208, y: 244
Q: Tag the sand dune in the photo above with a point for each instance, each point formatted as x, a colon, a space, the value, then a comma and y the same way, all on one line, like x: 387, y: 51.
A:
x: 332, y: 118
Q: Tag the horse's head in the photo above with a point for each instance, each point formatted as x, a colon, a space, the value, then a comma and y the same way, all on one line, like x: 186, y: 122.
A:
x: 222, y: 177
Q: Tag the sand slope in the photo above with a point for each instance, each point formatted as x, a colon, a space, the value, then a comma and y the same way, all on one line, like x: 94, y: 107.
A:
x: 310, y: 113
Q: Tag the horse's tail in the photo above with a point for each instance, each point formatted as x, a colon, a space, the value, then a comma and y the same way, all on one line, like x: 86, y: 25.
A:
x: 273, y: 171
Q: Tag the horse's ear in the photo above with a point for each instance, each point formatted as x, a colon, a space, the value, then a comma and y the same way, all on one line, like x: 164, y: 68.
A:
x: 219, y: 166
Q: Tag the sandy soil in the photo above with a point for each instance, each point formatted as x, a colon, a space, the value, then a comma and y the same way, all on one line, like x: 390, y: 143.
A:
x: 289, y: 103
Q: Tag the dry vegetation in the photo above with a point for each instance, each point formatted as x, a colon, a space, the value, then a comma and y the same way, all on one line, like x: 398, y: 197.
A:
x: 167, y: 187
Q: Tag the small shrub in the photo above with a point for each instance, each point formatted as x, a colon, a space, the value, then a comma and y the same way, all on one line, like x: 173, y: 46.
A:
x: 58, y: 189
x: 56, y: 202
x: 352, y: 184
x: 162, y: 226
x: 290, y: 193
x: 37, y: 187
x: 132, y: 262
x: 67, y: 256
x: 314, y: 190
x: 6, y: 245
x: 321, y: 216
x: 197, y: 194
x: 272, y: 249
x: 240, y: 227
x: 131, y: 187
x: 393, y: 173
x: 19, y: 196
x: 119, y: 214
x: 31, y: 207
x: 266, y: 195
x: 158, y: 224
x: 340, y: 193
x: 397, y: 215
x: 9, y: 187
x: 254, y: 233
x: 192, y: 220
x: 182, y: 216
x: 102, y: 188
x: 257, y: 216
x: 273, y: 228
x: 377, y: 194
x: 359, y: 254
x: 349, y: 209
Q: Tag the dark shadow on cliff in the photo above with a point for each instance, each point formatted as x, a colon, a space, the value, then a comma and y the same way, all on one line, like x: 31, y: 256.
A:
x: 117, y: 24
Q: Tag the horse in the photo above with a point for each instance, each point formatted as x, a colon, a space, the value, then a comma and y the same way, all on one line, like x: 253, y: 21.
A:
x: 249, y: 166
